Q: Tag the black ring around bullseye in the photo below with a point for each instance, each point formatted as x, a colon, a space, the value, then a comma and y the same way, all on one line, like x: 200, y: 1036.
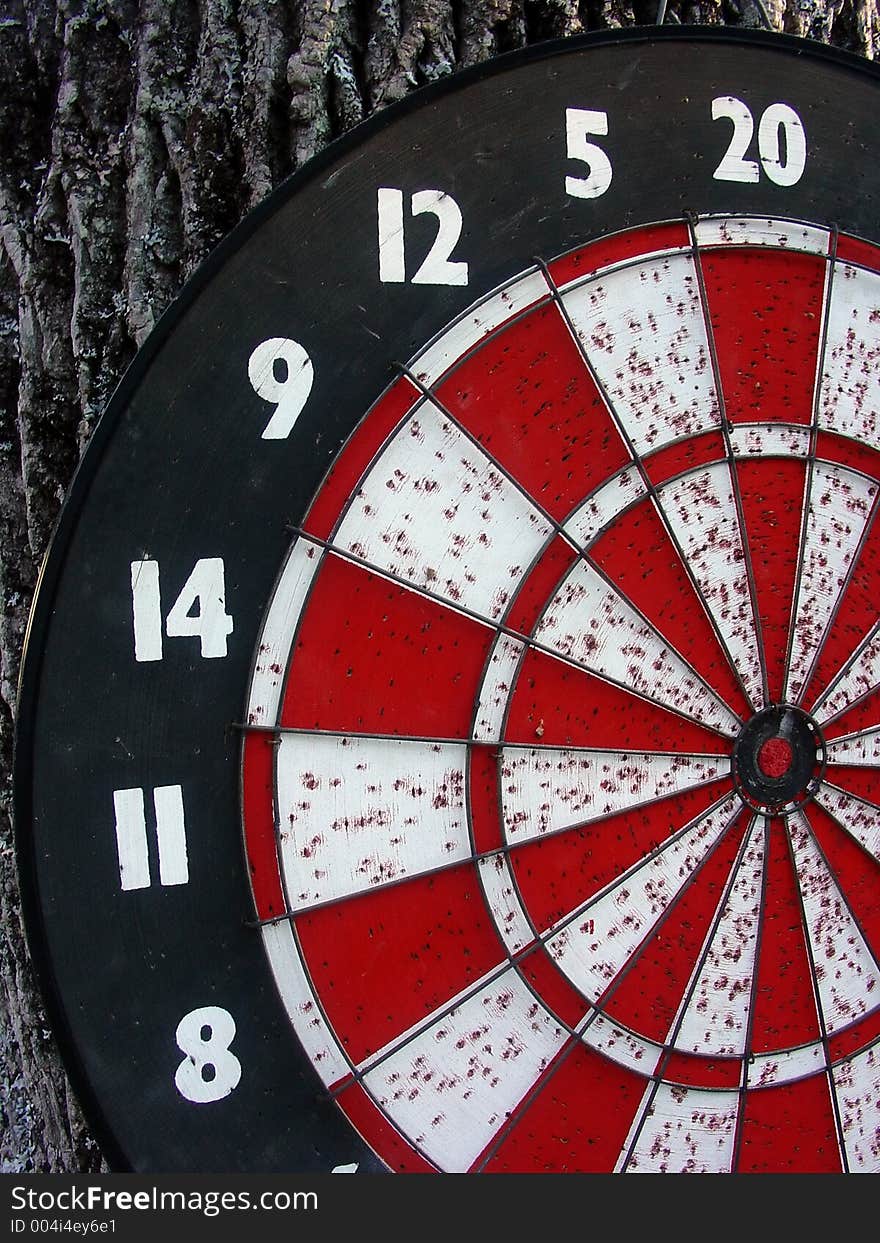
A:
x: 778, y: 759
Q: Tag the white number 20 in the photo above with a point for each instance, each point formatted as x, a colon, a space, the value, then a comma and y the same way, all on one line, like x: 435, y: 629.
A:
x: 776, y: 120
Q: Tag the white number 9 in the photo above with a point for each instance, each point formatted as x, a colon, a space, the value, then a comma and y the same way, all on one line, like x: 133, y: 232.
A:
x: 289, y: 392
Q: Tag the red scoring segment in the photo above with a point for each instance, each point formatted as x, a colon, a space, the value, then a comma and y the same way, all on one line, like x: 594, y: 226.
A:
x: 557, y: 938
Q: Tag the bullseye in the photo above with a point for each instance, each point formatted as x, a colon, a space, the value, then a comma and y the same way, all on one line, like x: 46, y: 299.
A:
x: 774, y: 757
x: 777, y: 757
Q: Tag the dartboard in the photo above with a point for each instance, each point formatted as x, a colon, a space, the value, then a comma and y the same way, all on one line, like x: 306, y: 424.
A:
x: 449, y: 731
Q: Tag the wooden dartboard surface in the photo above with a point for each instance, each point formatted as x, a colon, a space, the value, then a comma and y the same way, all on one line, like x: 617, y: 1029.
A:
x: 448, y: 733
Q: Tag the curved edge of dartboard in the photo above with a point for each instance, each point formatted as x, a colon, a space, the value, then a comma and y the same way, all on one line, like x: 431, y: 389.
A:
x: 504, y: 720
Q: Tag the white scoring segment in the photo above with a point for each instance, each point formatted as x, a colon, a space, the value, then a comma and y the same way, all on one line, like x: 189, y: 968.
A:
x: 452, y: 1086
x: 847, y: 976
x: 592, y: 951
x: 754, y: 231
x: 700, y: 508
x: 766, y: 1069
x: 643, y: 331
x: 769, y: 440
x: 356, y: 813
x: 857, y: 1088
x: 278, y: 630
x: 477, y: 323
x: 715, y: 1020
x: 621, y: 1046
x: 859, y: 749
x: 857, y: 679
x: 502, y: 899
x: 590, y: 622
x: 839, y: 507
x: 436, y: 512
x: 495, y: 691
x: 545, y: 790
x: 609, y: 500
x: 299, y: 1001
x: 860, y: 819
x: 644, y: 1056
x: 686, y: 1131
x: 850, y: 394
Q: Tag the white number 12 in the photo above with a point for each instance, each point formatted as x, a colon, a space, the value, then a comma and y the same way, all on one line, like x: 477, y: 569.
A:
x: 436, y: 268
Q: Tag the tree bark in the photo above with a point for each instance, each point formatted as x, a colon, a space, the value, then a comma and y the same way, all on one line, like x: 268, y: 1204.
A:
x: 133, y: 135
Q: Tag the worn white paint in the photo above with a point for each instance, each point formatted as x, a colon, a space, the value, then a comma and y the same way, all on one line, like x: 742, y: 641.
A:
x: 850, y: 394
x: 860, y: 819
x: 761, y: 231
x: 847, y: 974
x: 770, y: 1069
x: 643, y: 331
x: 496, y: 686
x: 861, y: 749
x: 602, y: 506
x: 279, y: 627
x: 451, y: 1087
x: 700, y: 508
x: 590, y: 622
x: 687, y: 1131
x: 436, y: 512
x: 857, y: 1088
x: 595, y: 943
x: 357, y: 813
x: 545, y: 789
x: 715, y: 1019
x: 839, y: 506
x: 298, y: 998
x: 856, y: 679
x: 785, y: 440
x: 503, y: 901
x: 622, y: 1046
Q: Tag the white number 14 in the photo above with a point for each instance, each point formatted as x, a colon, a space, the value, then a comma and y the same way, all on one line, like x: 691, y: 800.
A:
x: 199, y: 610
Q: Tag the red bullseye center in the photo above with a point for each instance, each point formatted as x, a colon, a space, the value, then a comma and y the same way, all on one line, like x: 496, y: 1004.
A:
x: 774, y: 757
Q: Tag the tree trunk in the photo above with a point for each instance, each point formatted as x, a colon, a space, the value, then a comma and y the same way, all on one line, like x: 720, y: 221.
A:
x: 133, y: 135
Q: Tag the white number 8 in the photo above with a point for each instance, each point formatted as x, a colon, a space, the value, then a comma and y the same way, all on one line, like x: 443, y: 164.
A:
x: 210, y: 1070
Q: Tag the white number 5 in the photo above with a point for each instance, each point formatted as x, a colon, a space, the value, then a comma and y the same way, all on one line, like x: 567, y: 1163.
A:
x: 579, y: 122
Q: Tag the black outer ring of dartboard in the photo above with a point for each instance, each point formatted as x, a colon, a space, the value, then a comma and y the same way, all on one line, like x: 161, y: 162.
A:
x: 51, y: 569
